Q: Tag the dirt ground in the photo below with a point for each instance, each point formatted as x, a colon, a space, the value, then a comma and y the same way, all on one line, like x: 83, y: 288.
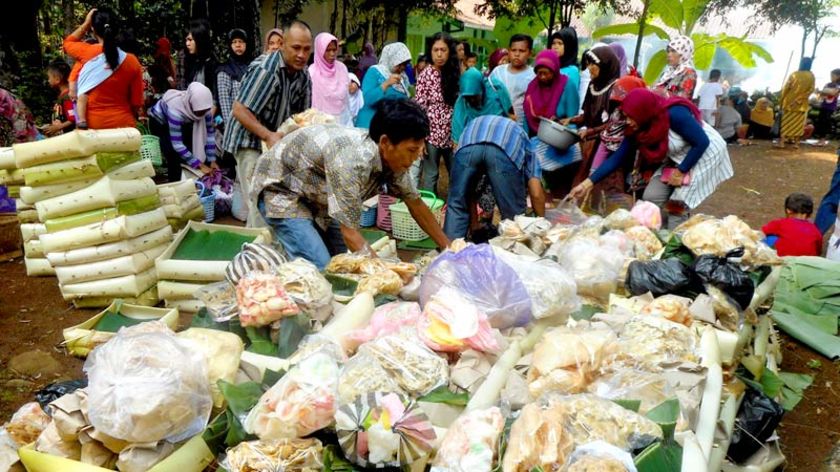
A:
x: 32, y: 312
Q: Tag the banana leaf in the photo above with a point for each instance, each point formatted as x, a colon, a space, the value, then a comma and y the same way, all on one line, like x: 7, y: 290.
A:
x: 801, y: 329
x: 204, y: 245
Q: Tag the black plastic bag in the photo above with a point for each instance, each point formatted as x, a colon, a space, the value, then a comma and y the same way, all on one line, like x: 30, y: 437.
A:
x: 757, y: 419
x: 659, y: 277
x: 727, y: 277
x: 54, y: 391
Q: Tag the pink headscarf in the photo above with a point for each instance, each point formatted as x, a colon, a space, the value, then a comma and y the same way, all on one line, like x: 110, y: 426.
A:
x: 541, y: 101
x: 329, y: 81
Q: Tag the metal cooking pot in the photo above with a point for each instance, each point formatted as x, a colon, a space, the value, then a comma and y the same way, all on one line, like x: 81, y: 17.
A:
x: 556, y: 135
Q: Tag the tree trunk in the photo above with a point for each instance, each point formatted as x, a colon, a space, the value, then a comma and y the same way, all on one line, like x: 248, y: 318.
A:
x: 45, y: 21
x: 641, y: 36
x: 343, y: 19
x: 334, y: 17
x: 804, y: 39
x: 552, y: 18
x: 69, y: 19
x: 402, y: 25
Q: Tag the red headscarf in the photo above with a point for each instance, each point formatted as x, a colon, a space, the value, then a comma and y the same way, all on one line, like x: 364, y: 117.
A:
x: 496, y: 57
x: 650, y: 112
x: 164, y: 47
x: 540, y: 100
x: 625, y: 85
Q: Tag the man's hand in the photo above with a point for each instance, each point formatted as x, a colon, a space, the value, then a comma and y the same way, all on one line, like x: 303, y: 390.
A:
x: 273, y: 138
x: 427, y: 222
x: 676, y: 179
x: 54, y: 128
x: 582, y: 190
x: 354, y: 240
x: 205, y: 169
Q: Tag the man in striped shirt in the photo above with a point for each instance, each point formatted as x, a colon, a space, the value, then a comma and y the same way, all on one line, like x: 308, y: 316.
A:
x: 272, y: 90
x: 499, y: 148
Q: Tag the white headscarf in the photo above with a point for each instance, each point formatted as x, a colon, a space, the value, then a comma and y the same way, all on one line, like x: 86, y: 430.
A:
x: 357, y: 100
x: 684, y: 46
x: 393, y: 55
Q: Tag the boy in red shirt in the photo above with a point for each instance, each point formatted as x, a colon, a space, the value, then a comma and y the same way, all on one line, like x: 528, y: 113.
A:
x: 63, y: 116
x: 797, y: 236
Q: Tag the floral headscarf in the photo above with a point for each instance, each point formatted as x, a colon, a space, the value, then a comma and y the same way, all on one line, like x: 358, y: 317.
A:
x: 684, y: 46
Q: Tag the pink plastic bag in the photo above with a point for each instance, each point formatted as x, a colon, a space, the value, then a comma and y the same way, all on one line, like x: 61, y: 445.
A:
x: 387, y: 319
x: 450, y: 323
x: 647, y: 214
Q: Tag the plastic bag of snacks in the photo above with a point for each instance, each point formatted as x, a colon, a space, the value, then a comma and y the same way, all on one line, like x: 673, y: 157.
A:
x: 146, y: 385
x: 647, y: 214
x: 262, y: 299
x: 300, y: 403
x: 281, y: 454
x: 450, y: 323
x: 566, y: 360
x: 471, y: 442
x: 416, y: 369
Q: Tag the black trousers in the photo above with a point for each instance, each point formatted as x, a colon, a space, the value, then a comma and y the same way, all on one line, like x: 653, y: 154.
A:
x: 173, y: 159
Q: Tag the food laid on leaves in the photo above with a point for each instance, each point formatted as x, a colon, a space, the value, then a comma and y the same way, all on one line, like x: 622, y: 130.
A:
x: 547, y: 349
x: 300, y: 455
x: 704, y: 235
x: 300, y: 403
x: 262, y: 299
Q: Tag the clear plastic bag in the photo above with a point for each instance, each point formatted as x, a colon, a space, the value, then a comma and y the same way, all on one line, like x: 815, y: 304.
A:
x: 552, y: 289
x: 307, y: 287
x: 416, y: 368
x: 27, y: 423
x: 471, y: 442
x: 566, y: 213
x: 262, y: 299
x: 648, y: 341
x: 595, y: 267
x: 600, y: 456
x: 538, y: 440
x: 388, y: 319
x: 619, y: 240
x: 300, y: 403
x: 451, y: 323
x: 485, y: 280
x: 589, y: 418
x: 566, y: 360
x: 220, y: 300
x: 620, y: 219
x: 281, y: 454
x: 624, y: 383
x: 361, y: 375
x: 647, y: 214
x: 647, y: 244
x: 670, y: 307
x: 148, y: 386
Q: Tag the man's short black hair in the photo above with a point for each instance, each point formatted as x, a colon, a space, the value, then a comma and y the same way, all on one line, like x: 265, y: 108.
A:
x: 399, y: 119
x: 60, y: 67
x: 799, y: 203
x: 714, y: 74
x: 522, y: 37
x: 299, y: 23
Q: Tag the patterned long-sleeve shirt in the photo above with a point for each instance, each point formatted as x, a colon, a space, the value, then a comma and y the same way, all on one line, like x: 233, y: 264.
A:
x: 324, y: 172
x: 176, y: 122
x: 272, y: 93
x: 430, y: 96
x: 228, y: 90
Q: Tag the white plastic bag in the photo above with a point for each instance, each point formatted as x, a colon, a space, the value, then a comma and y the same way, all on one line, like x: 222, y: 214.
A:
x: 552, y: 289
x: 146, y: 385
x: 595, y: 267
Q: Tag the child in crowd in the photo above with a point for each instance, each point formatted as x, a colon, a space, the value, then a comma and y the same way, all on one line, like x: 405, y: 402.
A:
x: 517, y: 74
x: 63, y: 115
x: 796, y: 235
x: 471, y: 60
x: 709, y: 97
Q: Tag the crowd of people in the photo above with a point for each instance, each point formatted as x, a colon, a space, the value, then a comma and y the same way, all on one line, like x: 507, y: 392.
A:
x: 395, y: 120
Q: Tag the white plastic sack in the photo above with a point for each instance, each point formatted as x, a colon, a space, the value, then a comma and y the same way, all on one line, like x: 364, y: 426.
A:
x: 138, y: 394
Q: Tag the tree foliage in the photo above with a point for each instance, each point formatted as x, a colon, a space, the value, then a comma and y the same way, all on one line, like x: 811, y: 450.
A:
x: 683, y: 16
x: 404, y: 8
x: 551, y: 14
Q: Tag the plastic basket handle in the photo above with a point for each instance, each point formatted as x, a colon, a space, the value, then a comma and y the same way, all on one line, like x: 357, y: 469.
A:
x: 201, y: 188
x: 431, y: 194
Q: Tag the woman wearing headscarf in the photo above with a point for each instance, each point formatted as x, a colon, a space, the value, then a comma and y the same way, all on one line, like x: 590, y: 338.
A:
x: 497, y: 58
x: 273, y: 40
x: 565, y: 44
x: 542, y: 97
x: 356, y: 97
x: 603, y: 67
x: 330, y: 80
x: 162, y: 70
x: 621, y: 54
x: 183, y: 122
x: 437, y: 90
x: 384, y: 80
x: 679, y: 77
x: 367, y: 60
x: 229, y: 76
x: 682, y: 158
x: 761, y: 119
x: 794, y: 104
x: 479, y: 96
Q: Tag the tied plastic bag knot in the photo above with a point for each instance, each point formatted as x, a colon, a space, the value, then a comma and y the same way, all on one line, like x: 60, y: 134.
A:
x: 726, y: 276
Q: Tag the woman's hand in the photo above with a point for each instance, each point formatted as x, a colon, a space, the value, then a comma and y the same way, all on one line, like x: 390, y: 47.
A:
x: 582, y: 190
x: 676, y: 179
x: 54, y: 128
x: 89, y: 19
x: 565, y: 121
x: 214, y: 166
x: 393, y: 79
x: 205, y: 169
